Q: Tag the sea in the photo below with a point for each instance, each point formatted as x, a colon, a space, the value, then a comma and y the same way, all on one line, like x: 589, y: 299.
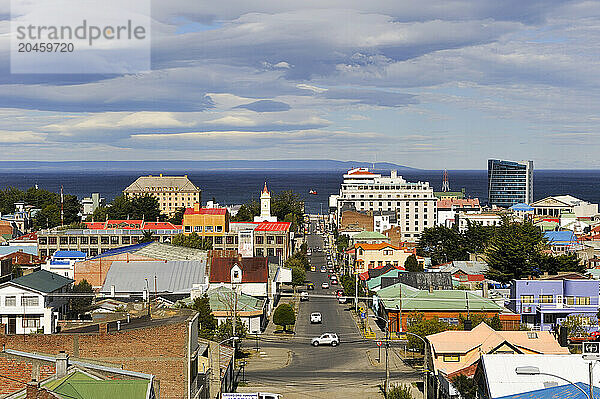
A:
x: 229, y: 187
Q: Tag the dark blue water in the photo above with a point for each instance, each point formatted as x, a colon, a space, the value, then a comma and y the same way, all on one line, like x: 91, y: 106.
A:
x: 235, y: 187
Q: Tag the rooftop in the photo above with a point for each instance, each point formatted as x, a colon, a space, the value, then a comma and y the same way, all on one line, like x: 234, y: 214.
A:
x: 254, y: 270
x: 41, y: 281
x: 369, y: 235
x: 205, y: 211
x: 161, y: 183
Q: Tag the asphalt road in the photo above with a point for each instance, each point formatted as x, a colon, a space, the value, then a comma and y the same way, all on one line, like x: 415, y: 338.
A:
x: 322, y: 368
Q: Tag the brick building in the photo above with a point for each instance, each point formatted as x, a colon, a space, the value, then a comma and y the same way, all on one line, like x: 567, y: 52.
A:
x: 356, y: 220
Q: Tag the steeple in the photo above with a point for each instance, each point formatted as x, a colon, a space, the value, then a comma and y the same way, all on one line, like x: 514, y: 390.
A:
x: 265, y: 189
x: 265, y: 207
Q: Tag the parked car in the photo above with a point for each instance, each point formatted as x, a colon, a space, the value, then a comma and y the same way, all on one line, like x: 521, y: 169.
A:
x: 323, y: 269
x: 326, y: 339
x: 315, y: 318
x: 304, y: 296
x: 310, y: 286
x: 342, y: 299
x: 313, y: 269
x: 334, y: 282
x: 325, y: 285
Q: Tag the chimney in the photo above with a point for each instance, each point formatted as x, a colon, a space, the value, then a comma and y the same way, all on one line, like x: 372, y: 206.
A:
x: 62, y: 363
x: 32, y: 390
x: 197, y: 207
x: 431, y: 288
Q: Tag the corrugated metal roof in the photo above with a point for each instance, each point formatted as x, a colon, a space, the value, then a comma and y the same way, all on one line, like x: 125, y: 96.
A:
x: 42, y: 281
x: 171, y: 276
x: 69, y: 254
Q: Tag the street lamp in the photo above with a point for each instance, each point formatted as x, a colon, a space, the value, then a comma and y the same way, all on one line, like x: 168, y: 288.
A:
x: 233, y: 376
x: 386, y: 386
x: 532, y: 370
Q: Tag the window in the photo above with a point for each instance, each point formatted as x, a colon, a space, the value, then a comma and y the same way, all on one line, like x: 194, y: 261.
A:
x: 73, y: 240
x: 84, y: 240
x: 454, y: 357
x: 532, y: 335
x: 104, y: 240
x: 64, y: 240
x: 526, y: 298
x: 114, y: 239
x: 546, y: 298
x: 31, y: 322
x: 270, y: 239
x: 30, y: 301
x: 126, y: 240
x: 94, y: 240
x: 270, y: 251
x: 229, y: 239
x: 198, y: 229
x: 187, y: 229
x: 450, y: 321
x: 43, y: 240
x: 218, y: 240
x: 52, y: 240
x: 10, y: 301
x: 259, y: 252
x: 583, y: 300
x: 570, y: 300
x: 279, y: 240
x: 259, y: 239
x: 218, y: 229
x: 208, y: 229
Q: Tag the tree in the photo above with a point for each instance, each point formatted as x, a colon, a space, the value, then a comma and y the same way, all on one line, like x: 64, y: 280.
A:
x: 147, y: 236
x: 349, y: 283
x: 225, y: 331
x: 299, y: 259
x: 399, y: 392
x: 287, y: 206
x: 476, y: 237
x: 514, y: 251
x: 562, y: 263
x: 442, y: 245
x: 411, y: 264
x: 477, y: 319
x: 192, y: 241
x: 247, y: 212
x: 284, y: 316
x: 467, y: 387
x: 342, y: 242
x: 79, y: 305
x: 298, y: 276
x: 145, y: 207
x: 574, y: 326
x: 177, y: 217
x: 423, y: 327
x: 207, y: 323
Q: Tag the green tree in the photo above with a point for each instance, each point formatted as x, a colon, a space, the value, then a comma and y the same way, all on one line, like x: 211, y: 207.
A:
x: 225, y: 330
x: 574, y: 325
x: 475, y: 239
x: 423, y: 327
x: 177, y: 217
x: 348, y: 282
x: 477, y: 319
x: 442, y: 245
x: 289, y: 207
x: 192, y: 241
x: 298, y: 276
x: 562, y: 263
x: 399, y: 392
x: 514, y: 251
x: 342, y: 242
x: 411, y: 264
x: 207, y: 323
x: 467, y: 387
x: 147, y: 236
x: 79, y: 305
x: 298, y: 259
x: 145, y: 207
x: 247, y: 212
x: 284, y: 316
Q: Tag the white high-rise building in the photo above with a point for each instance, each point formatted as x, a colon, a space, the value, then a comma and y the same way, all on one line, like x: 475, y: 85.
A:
x: 414, y: 203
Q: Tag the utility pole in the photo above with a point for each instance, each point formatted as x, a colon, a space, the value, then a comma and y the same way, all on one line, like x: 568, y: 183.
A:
x: 591, y: 370
x: 386, y: 387
x: 355, y: 290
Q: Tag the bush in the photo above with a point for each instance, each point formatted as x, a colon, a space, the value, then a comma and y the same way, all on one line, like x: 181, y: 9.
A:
x: 399, y: 392
x: 284, y: 316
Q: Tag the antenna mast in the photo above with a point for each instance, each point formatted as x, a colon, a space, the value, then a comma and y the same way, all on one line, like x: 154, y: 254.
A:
x: 445, y: 183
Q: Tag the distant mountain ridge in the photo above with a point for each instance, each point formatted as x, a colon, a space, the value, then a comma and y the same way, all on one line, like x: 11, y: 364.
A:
x: 128, y: 166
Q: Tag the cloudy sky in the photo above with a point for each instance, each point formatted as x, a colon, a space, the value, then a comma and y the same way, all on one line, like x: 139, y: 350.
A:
x: 429, y: 84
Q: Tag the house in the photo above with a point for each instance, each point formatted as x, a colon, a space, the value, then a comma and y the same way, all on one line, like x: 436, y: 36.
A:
x: 451, y: 353
x: 61, y: 377
x: 562, y: 242
x: 463, y: 220
x: 420, y: 280
x: 252, y: 311
x: 400, y: 303
x: 522, y: 210
x: 63, y: 262
x: 470, y: 273
x: 23, y: 261
x: 559, y: 204
x: 369, y: 256
x: 30, y: 303
x: 543, y: 376
x: 448, y: 208
x: 171, y: 192
x: 165, y: 345
x: 545, y: 304
x: 368, y: 237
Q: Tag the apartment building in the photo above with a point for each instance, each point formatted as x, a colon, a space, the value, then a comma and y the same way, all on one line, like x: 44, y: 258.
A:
x: 172, y: 192
x: 414, y: 203
x: 509, y: 182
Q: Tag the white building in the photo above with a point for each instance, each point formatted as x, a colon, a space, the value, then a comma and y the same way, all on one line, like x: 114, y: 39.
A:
x: 90, y: 204
x: 483, y: 219
x: 448, y: 208
x: 265, y: 207
x: 414, y: 203
x: 29, y: 304
x: 63, y: 263
x: 557, y: 205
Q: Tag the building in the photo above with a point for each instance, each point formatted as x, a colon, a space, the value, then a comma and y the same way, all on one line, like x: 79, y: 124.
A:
x: 100, y: 237
x: 166, y: 347
x: 448, y: 208
x: 172, y: 192
x: 564, y: 204
x: 400, y: 304
x: 252, y: 311
x: 30, y: 303
x: 63, y: 263
x: 414, y: 203
x: 18, y: 260
x: 369, y: 237
x: 545, y: 304
x: 369, y: 256
x: 464, y: 272
x: 451, y: 353
x: 522, y: 210
x: 463, y: 220
x: 265, y: 207
x: 206, y: 222
x: 539, y: 376
x: 353, y: 220
x: 562, y: 242
x: 90, y: 204
x: 509, y: 182
x: 384, y: 221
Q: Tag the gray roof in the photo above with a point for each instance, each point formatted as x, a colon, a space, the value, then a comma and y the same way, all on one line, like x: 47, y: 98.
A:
x: 153, y: 183
x: 467, y: 266
x: 158, y: 250
x: 171, y: 276
x: 42, y: 281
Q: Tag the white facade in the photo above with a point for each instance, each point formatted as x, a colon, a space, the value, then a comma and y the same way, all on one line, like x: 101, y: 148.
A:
x: 555, y: 206
x: 265, y: 207
x: 484, y: 219
x: 64, y: 266
x: 414, y: 203
x: 25, y: 311
x: 383, y: 222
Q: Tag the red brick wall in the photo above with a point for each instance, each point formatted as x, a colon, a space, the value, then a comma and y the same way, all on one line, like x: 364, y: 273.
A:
x: 160, y: 350
x: 19, y: 370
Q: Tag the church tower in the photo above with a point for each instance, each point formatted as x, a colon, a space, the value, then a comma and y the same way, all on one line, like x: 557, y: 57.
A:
x: 265, y: 207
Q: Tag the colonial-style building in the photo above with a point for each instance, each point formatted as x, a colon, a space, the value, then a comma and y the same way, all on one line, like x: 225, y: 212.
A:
x: 172, y: 192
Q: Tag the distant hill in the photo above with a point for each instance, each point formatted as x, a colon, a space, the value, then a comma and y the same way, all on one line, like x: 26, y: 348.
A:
x: 128, y: 166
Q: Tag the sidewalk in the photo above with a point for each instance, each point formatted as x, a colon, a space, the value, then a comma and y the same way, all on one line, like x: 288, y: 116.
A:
x: 370, y: 322
x: 295, y: 302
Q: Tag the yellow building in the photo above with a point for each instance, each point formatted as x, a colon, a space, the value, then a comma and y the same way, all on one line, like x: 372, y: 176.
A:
x: 172, y: 192
x: 370, y: 256
x: 206, y: 222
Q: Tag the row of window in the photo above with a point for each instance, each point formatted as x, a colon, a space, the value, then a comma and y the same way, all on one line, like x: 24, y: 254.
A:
x: 270, y: 252
x: 270, y: 240
x: 26, y: 301
x: 205, y: 229
x: 567, y: 300
x: 92, y: 240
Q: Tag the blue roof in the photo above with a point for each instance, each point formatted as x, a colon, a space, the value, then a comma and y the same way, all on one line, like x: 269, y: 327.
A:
x: 557, y: 237
x: 567, y: 391
x: 122, y: 250
x: 9, y: 249
x: 523, y: 207
x: 69, y: 254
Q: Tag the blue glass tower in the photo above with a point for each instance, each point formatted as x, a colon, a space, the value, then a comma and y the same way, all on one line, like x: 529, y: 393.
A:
x: 509, y: 182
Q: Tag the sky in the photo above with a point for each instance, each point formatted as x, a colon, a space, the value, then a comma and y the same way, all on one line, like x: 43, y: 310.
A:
x: 429, y: 84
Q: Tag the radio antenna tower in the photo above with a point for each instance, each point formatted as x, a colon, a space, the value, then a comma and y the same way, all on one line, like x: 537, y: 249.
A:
x: 445, y: 183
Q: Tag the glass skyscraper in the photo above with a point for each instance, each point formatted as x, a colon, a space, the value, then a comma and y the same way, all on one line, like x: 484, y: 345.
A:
x: 509, y: 182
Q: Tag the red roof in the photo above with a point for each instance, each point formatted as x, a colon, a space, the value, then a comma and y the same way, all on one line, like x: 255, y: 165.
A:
x: 95, y: 225
x: 458, y: 203
x: 22, y: 258
x: 205, y: 211
x: 273, y: 226
x: 27, y: 237
x: 254, y: 270
x: 360, y: 172
x: 160, y: 225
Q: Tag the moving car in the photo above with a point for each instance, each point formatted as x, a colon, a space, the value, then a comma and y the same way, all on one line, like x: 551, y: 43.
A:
x: 315, y: 318
x: 334, y: 281
x: 310, y: 286
x: 323, y: 269
x: 325, y: 285
x: 326, y: 339
x: 304, y: 296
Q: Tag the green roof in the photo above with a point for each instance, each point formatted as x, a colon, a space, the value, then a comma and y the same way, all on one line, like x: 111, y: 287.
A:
x: 221, y: 298
x: 42, y: 281
x: 79, y: 385
x: 369, y: 235
x: 376, y: 281
x: 438, y: 300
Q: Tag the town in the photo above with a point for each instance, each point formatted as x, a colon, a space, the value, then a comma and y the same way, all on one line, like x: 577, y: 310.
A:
x: 392, y: 290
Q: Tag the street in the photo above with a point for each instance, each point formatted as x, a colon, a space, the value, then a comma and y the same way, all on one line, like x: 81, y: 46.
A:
x: 324, y: 371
